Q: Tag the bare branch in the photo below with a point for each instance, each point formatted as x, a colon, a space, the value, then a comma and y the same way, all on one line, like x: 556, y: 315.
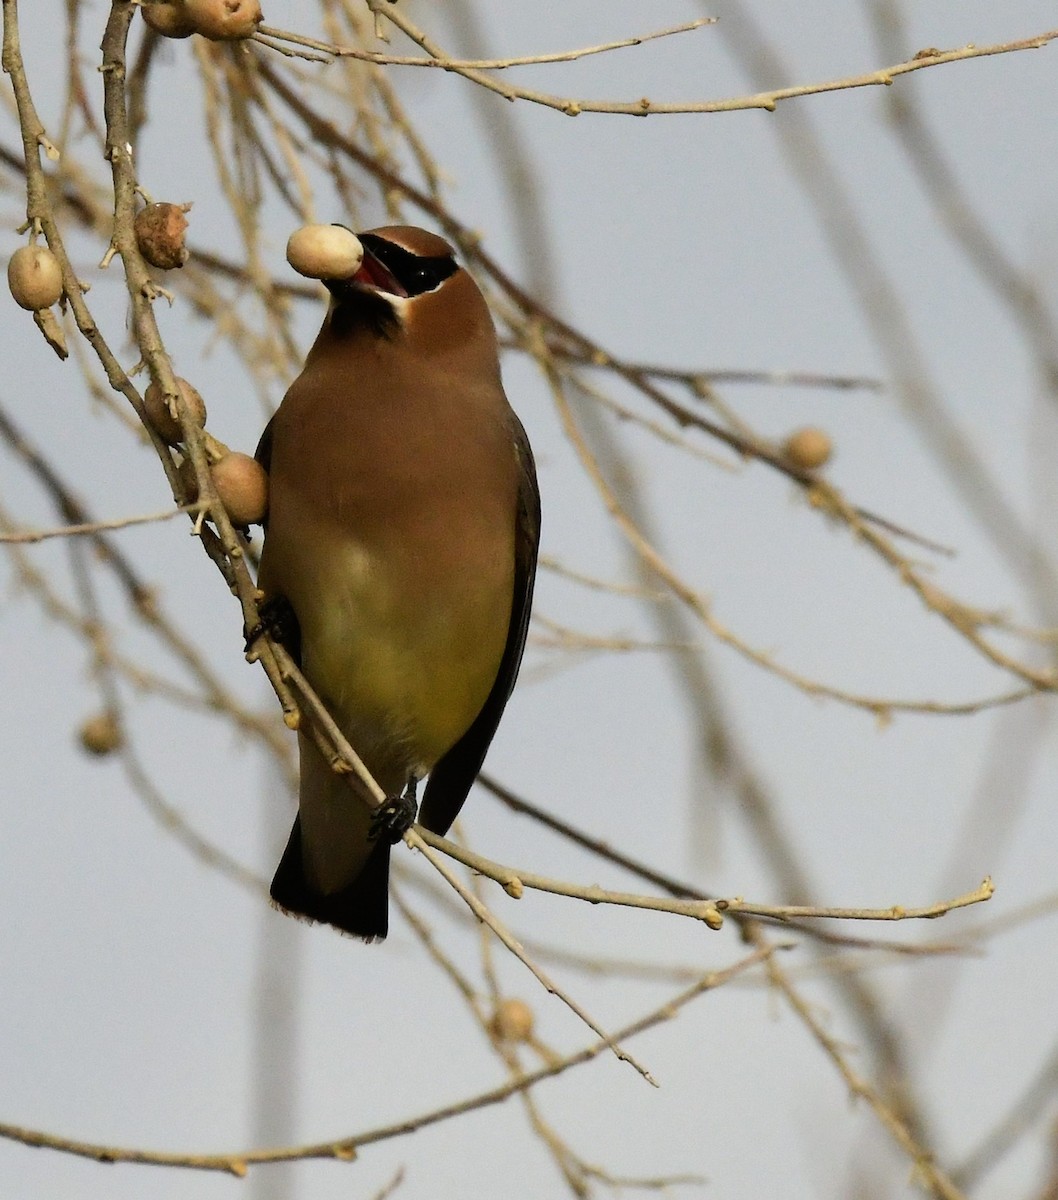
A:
x: 268, y: 34
x: 345, y: 1148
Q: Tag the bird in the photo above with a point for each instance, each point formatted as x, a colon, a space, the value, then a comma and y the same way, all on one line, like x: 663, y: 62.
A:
x: 398, y: 562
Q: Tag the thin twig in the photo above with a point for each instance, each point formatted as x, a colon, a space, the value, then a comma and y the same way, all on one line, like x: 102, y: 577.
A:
x: 269, y: 35
x: 768, y: 100
x: 32, y: 536
x: 926, y: 1169
x: 711, y: 912
x: 345, y: 1148
x: 344, y: 759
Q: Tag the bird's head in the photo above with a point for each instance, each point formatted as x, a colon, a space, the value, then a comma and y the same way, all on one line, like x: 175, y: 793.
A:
x: 409, y: 285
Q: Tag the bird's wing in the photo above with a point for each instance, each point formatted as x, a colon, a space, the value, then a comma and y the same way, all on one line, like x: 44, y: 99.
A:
x: 453, y: 775
x: 263, y: 453
x: 277, y: 614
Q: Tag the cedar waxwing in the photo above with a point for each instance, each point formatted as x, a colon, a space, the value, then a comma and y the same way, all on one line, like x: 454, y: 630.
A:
x: 401, y: 539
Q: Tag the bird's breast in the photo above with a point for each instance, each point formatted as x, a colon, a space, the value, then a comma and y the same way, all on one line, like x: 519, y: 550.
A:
x: 391, y: 533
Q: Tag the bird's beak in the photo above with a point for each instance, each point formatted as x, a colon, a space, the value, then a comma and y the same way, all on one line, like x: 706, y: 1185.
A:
x: 373, y: 276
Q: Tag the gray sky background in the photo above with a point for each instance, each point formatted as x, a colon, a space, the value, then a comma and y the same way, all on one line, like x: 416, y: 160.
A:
x: 130, y: 973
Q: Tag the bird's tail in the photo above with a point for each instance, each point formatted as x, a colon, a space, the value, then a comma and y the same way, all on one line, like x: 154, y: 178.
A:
x: 360, y: 908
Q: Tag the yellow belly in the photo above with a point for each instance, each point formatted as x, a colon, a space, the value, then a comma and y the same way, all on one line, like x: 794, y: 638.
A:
x: 403, y: 662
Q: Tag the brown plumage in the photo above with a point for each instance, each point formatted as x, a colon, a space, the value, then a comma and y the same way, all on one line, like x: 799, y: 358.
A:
x: 402, y: 532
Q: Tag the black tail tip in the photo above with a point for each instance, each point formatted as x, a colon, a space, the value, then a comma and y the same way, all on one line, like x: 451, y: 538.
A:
x: 360, y: 909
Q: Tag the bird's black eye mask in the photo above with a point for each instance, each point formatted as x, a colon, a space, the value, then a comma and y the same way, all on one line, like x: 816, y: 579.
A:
x: 413, y: 273
x: 387, y: 269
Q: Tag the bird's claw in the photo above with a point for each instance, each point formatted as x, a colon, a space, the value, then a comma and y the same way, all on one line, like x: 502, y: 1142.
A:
x: 278, y: 620
x: 393, y: 819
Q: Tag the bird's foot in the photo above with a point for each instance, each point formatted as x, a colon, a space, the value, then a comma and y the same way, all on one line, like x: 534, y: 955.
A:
x: 277, y: 618
x: 395, y: 817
